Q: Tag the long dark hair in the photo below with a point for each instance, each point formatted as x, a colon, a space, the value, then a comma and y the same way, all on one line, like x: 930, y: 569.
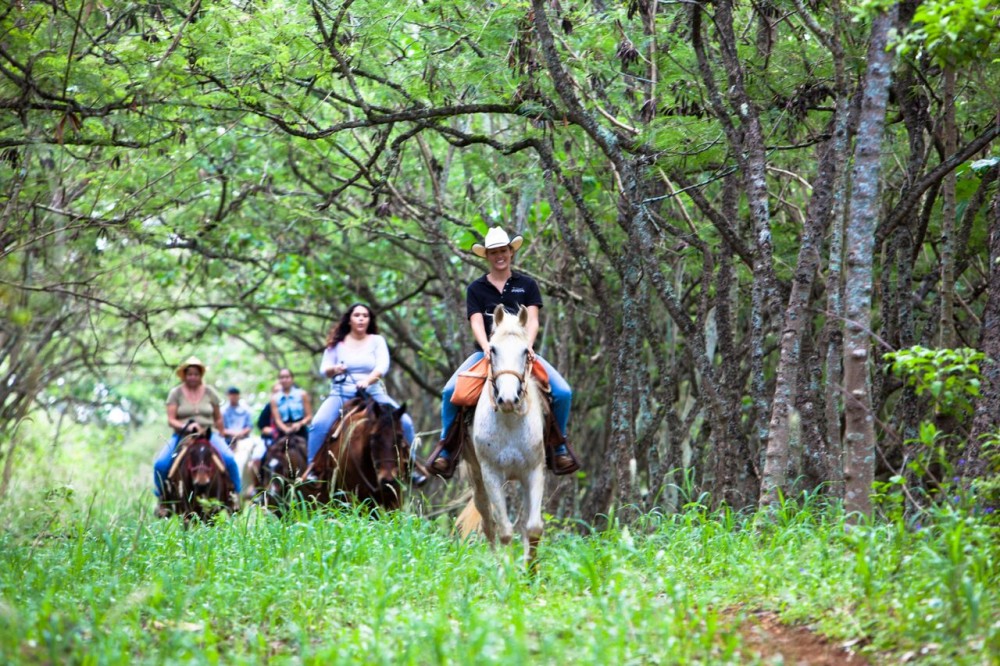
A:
x: 343, y: 327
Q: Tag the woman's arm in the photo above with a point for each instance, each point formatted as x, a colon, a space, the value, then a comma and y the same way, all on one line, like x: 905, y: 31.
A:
x: 329, y: 366
x: 531, y: 327
x: 478, y: 325
x: 172, y: 419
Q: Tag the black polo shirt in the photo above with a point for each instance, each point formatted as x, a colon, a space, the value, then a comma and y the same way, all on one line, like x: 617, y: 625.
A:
x: 483, y: 297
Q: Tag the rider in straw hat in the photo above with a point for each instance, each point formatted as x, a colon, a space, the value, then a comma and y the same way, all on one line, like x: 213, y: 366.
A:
x: 502, y: 285
x: 193, y: 401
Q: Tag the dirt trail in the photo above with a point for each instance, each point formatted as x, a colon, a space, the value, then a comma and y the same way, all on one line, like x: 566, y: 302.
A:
x: 765, y: 636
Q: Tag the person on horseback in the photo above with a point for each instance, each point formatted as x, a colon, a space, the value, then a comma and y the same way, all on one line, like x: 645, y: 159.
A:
x: 356, y: 358
x: 192, y: 407
x: 268, y: 434
x: 501, y: 285
x: 236, y: 418
x: 291, y: 408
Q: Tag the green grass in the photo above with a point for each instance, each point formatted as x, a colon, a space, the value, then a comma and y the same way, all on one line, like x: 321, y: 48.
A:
x: 90, y: 577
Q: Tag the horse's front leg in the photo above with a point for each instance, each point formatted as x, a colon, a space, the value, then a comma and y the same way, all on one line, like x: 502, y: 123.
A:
x: 482, y: 503
x: 533, y: 488
x: 493, y: 484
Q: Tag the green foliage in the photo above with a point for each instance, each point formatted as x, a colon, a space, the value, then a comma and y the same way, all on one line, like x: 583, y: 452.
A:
x: 90, y: 577
x: 985, y: 491
x: 949, y: 377
x: 952, y: 33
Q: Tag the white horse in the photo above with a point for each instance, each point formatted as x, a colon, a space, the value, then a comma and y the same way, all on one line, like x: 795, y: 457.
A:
x: 507, y: 437
x: 243, y: 452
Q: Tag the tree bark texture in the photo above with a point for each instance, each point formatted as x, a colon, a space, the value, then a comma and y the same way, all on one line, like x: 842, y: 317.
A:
x: 859, y: 435
x: 987, y: 410
x: 830, y: 157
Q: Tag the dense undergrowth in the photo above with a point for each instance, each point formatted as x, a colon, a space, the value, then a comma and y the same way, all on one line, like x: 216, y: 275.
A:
x: 90, y: 577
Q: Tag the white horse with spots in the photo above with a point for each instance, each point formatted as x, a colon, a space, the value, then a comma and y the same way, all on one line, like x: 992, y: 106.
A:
x: 507, y: 436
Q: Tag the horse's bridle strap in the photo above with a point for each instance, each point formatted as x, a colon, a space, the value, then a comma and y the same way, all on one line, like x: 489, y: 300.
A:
x: 185, y: 444
x: 182, y: 449
x: 491, y: 377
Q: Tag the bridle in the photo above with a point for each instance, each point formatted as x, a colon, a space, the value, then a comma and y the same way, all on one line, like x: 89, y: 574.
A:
x: 212, y: 467
x: 377, y: 448
x: 522, y: 385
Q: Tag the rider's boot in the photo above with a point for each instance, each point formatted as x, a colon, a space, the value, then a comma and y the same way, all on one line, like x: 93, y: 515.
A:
x: 309, y: 475
x: 444, y: 458
x: 559, y: 455
x: 563, y: 462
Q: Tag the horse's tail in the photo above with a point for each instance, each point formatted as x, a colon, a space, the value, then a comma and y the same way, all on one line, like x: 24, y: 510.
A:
x: 469, y: 520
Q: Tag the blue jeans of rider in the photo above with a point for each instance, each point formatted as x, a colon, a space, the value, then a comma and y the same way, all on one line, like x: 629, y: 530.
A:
x: 329, y: 413
x: 165, y: 458
x: 562, y: 394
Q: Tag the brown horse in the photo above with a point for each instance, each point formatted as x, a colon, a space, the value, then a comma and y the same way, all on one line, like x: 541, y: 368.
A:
x: 197, y: 485
x: 284, y: 461
x: 366, y: 456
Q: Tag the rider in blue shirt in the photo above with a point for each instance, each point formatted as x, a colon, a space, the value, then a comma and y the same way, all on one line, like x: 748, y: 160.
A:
x: 291, y: 409
x: 236, y: 420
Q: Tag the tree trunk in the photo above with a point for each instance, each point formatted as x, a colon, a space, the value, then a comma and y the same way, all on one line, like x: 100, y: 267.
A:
x: 988, y: 405
x: 946, y: 329
x: 752, y: 158
x: 859, y: 435
x: 830, y: 157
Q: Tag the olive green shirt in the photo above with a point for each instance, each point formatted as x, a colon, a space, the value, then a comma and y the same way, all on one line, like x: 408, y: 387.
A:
x: 203, y: 413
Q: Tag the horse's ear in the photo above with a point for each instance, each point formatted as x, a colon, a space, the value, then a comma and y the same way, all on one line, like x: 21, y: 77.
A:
x: 522, y: 315
x: 498, y: 315
x: 399, y: 411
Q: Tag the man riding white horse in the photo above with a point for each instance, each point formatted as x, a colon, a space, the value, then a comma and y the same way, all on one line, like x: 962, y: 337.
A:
x: 502, y: 286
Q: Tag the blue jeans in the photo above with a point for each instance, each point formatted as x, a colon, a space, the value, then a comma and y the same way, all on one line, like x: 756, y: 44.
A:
x: 329, y: 413
x: 165, y: 458
x: 562, y: 394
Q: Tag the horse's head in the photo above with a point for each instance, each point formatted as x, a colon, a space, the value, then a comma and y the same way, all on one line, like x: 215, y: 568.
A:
x: 509, y: 360
x: 285, y: 460
x: 201, y: 462
x: 390, y: 452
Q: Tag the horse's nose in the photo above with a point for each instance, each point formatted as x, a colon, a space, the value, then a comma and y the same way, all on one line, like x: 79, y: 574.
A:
x: 387, y: 479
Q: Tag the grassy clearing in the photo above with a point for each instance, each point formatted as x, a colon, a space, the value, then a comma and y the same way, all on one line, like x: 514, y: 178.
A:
x: 90, y: 577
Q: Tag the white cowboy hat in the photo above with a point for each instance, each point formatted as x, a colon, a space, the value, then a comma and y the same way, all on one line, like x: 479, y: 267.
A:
x: 192, y: 362
x: 496, y: 237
